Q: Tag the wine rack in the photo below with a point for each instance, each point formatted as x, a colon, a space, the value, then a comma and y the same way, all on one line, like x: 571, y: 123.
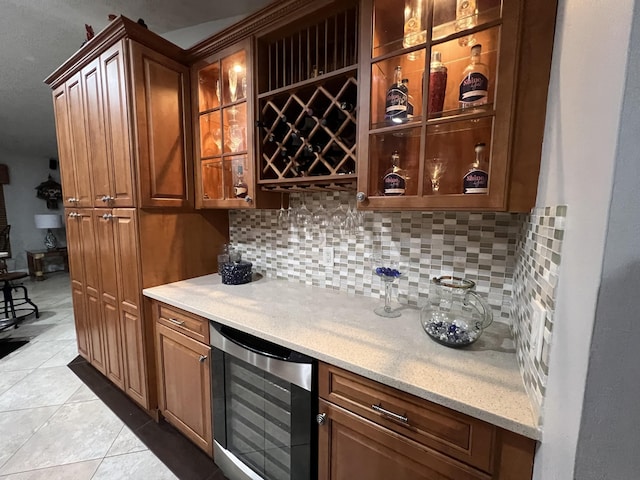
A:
x: 310, y: 132
x: 308, y: 91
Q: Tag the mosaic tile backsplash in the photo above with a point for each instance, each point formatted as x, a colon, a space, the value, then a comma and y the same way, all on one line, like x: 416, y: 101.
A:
x: 535, y: 280
x: 513, y: 258
x: 477, y: 246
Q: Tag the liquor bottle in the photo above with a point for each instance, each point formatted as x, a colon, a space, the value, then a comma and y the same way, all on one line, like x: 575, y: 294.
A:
x: 395, y: 179
x: 476, y: 180
x: 466, y: 18
x: 397, y: 99
x: 414, y: 34
x: 474, y: 86
x: 437, y: 84
x: 405, y: 83
x: 240, y: 188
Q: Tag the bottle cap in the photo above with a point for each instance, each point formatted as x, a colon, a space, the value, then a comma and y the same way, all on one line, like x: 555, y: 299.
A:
x: 436, y: 57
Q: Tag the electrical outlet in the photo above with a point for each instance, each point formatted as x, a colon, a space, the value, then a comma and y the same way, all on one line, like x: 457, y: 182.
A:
x: 327, y: 256
x: 538, y: 318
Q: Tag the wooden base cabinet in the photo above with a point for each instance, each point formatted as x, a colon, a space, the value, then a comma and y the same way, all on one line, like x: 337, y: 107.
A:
x: 184, y: 378
x: 368, y: 430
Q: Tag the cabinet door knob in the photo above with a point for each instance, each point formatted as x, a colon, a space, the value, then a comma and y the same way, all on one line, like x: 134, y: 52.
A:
x: 321, y: 418
x: 107, y: 216
x: 202, y: 358
x: 72, y: 199
x: 73, y: 215
x: 104, y: 199
x: 248, y: 199
x: 361, y: 197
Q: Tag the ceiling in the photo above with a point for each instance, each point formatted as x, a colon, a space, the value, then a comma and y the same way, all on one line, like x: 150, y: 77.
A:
x: 37, y: 36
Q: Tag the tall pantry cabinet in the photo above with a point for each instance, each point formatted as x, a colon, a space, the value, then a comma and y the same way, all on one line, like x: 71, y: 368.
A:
x: 124, y: 139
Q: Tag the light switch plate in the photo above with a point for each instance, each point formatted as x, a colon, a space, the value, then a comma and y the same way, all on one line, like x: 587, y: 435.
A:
x: 327, y: 256
x: 538, y: 318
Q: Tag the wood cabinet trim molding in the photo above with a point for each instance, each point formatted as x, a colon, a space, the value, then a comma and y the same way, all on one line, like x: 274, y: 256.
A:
x: 263, y: 19
x: 119, y: 28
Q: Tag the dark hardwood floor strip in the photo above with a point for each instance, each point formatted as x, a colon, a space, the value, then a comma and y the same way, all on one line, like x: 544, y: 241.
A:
x: 181, y: 456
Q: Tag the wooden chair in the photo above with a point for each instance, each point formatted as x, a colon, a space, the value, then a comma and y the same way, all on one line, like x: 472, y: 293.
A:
x: 15, y: 309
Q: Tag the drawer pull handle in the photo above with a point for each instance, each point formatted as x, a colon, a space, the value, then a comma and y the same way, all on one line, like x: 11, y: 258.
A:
x: 176, y: 322
x: 202, y: 358
x: 395, y: 416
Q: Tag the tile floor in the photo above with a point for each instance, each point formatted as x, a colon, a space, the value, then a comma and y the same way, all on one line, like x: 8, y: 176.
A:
x: 52, y: 426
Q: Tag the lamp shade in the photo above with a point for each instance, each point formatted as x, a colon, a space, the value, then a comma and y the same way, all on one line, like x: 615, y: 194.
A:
x: 48, y: 221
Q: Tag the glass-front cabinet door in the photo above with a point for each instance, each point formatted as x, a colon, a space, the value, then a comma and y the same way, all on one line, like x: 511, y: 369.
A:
x: 440, y: 104
x: 224, y: 139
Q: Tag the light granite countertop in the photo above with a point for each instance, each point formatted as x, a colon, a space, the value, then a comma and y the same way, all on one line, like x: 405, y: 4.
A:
x: 482, y: 381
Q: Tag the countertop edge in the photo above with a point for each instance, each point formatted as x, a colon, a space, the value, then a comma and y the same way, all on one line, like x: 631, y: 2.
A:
x: 528, y: 430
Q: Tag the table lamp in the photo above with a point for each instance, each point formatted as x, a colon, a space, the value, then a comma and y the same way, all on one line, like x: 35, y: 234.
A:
x: 49, y: 221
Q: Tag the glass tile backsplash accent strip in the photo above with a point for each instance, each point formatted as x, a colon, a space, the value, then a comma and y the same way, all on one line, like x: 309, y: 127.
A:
x: 534, y: 286
x: 477, y: 246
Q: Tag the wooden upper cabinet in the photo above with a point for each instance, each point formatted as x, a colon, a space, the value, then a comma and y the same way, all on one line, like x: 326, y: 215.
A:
x: 163, y: 135
x: 450, y: 95
x: 72, y: 143
x: 223, y: 118
x: 113, y: 173
x: 122, y: 102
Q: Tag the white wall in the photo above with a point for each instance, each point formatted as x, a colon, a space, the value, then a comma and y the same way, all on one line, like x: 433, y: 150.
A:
x: 583, y: 117
x: 610, y: 427
x: 25, y: 174
x: 186, y: 37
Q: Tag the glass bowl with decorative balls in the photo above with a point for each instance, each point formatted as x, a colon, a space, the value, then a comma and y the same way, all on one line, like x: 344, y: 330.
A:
x: 455, y: 315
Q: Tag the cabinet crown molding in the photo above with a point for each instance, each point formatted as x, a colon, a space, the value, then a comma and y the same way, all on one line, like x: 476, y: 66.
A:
x: 121, y: 27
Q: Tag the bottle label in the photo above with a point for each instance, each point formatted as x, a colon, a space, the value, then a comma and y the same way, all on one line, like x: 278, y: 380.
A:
x: 396, y: 104
x: 240, y: 191
x: 473, y: 88
x: 476, y: 181
x: 394, y: 184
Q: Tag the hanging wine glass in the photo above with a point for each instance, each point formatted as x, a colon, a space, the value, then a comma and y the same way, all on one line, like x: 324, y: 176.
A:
x: 283, y: 215
x: 320, y: 219
x: 339, y: 219
x: 218, y: 92
x: 233, y: 84
x: 304, y: 219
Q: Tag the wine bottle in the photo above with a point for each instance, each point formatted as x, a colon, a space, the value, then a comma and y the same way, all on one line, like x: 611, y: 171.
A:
x: 307, y: 123
x: 334, y: 119
x: 307, y: 156
x: 474, y: 86
x: 397, y: 100
x: 278, y: 133
x: 395, y: 179
x: 476, y: 180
